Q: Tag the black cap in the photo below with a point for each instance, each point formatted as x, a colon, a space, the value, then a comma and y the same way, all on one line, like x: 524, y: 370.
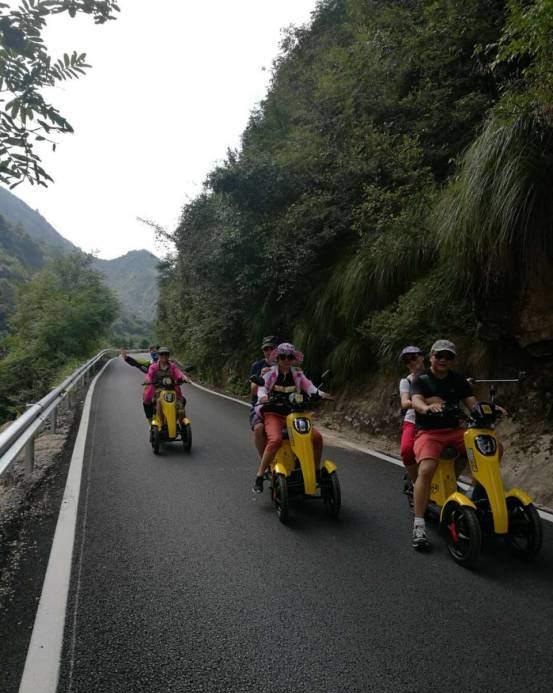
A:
x: 271, y: 340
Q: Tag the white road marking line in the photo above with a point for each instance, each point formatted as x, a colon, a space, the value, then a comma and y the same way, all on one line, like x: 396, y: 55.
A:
x: 80, y: 562
x: 42, y: 664
x: 43, y: 660
x: 219, y: 394
x: 543, y: 513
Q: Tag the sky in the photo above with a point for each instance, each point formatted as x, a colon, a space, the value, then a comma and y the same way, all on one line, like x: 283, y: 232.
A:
x: 172, y: 86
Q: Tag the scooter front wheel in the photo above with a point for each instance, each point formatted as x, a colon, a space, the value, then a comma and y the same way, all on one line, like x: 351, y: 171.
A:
x: 332, y: 494
x: 525, y: 531
x: 280, y: 497
x: 463, y: 535
x: 155, y: 438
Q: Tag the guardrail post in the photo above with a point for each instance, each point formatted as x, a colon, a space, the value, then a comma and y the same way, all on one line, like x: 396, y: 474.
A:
x: 54, y: 419
x: 30, y: 456
x: 17, y: 440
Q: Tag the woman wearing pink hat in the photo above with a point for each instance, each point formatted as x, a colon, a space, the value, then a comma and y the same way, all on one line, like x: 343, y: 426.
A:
x: 283, y: 377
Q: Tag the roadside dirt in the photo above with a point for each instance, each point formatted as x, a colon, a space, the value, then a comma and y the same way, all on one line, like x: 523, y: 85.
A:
x: 25, y: 499
x: 371, y: 418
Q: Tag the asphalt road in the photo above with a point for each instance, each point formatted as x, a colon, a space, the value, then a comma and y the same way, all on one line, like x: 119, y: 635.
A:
x: 183, y: 580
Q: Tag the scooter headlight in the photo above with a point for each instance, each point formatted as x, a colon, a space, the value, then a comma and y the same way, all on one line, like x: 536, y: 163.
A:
x: 486, y: 445
x: 302, y: 425
x: 169, y: 397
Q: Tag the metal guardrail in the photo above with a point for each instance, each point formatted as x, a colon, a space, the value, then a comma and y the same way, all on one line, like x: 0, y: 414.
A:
x: 20, y: 435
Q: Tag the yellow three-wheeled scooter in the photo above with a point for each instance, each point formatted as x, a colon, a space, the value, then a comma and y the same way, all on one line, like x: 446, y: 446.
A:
x: 171, y: 425
x: 491, y: 509
x: 293, y: 472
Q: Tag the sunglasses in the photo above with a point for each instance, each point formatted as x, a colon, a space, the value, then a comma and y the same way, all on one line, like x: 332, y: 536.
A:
x: 444, y: 355
x: 267, y: 348
x: 286, y: 357
x: 411, y: 357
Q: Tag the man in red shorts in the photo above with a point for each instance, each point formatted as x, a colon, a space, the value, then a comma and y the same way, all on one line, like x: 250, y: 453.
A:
x: 432, y: 389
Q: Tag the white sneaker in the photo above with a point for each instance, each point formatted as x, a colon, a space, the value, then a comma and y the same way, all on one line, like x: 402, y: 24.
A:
x: 420, y: 541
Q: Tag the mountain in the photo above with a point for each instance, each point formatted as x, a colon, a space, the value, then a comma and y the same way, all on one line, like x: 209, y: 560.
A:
x: 20, y: 256
x: 28, y: 241
x: 133, y: 278
x: 18, y: 213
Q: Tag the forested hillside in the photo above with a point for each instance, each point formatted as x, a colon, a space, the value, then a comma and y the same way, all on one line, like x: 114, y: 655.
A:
x: 20, y: 256
x: 133, y: 277
x: 28, y: 241
x: 393, y: 186
x: 18, y: 214
x: 62, y: 315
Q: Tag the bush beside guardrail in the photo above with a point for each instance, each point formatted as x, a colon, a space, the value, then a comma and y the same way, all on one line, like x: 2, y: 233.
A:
x: 20, y: 435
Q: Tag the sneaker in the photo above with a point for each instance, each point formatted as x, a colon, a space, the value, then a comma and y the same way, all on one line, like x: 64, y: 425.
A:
x: 258, y: 485
x: 420, y: 541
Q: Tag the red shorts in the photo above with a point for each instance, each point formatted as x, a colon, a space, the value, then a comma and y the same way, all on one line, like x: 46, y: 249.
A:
x: 429, y: 444
x: 408, y: 432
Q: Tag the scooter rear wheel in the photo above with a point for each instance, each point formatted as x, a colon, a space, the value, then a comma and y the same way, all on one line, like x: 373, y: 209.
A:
x: 463, y: 535
x: 525, y: 530
x: 280, y: 497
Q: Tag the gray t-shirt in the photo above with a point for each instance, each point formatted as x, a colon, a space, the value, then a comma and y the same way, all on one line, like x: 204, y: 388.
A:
x: 405, y: 386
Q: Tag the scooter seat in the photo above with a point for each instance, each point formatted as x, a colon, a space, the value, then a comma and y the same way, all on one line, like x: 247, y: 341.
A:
x: 449, y: 453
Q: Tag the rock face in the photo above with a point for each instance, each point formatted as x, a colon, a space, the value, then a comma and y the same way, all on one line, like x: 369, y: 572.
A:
x: 535, y: 315
x: 520, y: 316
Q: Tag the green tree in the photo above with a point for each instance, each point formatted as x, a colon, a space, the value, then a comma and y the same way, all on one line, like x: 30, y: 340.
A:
x: 526, y: 46
x: 64, y: 312
x: 26, y: 71
x: 380, y: 184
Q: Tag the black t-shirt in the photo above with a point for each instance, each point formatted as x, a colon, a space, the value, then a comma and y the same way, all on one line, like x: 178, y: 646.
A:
x: 257, y: 367
x: 285, y: 380
x: 452, y: 389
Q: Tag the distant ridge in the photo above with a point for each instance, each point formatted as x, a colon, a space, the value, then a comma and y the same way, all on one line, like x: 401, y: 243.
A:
x: 27, y: 241
x: 18, y: 213
x: 133, y: 277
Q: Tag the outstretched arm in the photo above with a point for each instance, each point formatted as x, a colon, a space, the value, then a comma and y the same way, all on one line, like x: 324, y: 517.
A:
x: 141, y: 365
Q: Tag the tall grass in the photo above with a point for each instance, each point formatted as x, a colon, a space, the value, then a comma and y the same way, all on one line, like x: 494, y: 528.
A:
x: 381, y: 270
x: 497, y: 217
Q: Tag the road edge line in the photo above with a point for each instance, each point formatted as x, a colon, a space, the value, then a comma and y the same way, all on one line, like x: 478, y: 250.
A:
x: 219, y: 394
x: 42, y: 663
x: 543, y: 513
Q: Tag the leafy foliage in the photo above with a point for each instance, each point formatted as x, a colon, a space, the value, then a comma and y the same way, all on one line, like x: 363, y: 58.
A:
x: 526, y: 45
x: 26, y: 70
x: 382, y: 183
x: 64, y: 312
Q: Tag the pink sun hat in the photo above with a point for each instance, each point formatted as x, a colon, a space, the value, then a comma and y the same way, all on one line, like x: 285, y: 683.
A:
x: 285, y: 348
